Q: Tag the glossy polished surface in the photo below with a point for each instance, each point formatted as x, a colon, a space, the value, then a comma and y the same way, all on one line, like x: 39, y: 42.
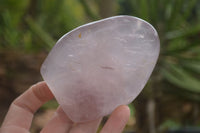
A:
x: 101, y: 65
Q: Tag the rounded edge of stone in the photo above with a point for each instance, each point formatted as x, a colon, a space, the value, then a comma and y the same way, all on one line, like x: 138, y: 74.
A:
x: 144, y: 21
x: 109, y: 18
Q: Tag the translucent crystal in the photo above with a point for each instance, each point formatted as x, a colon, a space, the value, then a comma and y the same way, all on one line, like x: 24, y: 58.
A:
x: 101, y: 65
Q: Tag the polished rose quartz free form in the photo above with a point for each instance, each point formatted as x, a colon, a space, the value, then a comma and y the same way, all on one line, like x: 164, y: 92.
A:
x: 101, y: 65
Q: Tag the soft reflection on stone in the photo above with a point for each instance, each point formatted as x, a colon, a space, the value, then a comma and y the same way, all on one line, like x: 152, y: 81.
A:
x: 101, y: 65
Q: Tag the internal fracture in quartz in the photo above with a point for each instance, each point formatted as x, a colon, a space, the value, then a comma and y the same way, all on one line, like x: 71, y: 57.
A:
x: 101, y: 65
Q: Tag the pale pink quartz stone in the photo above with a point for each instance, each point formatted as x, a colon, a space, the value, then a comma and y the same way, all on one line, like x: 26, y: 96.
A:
x: 98, y: 66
